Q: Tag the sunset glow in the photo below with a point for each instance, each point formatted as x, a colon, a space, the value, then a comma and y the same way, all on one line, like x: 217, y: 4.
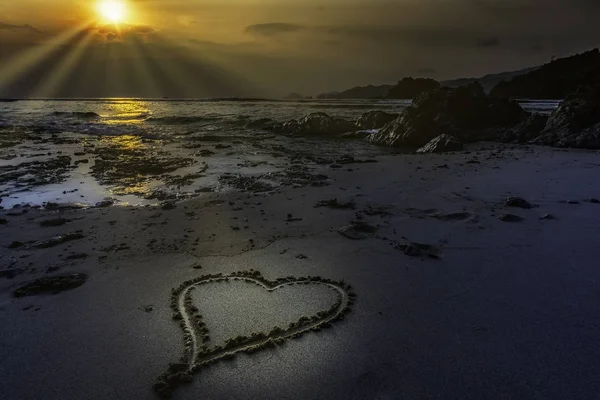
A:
x: 113, y: 11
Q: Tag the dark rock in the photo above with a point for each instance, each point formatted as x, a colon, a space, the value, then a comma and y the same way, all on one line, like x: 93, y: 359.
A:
x: 419, y: 250
x: 53, y: 284
x: 526, y: 131
x: 3, y: 221
x: 375, y: 120
x: 510, y: 218
x: 441, y: 144
x: 15, y: 245
x: 168, y: 206
x: 53, y: 222
x: 517, y: 202
x: 547, y: 216
x: 316, y: 124
x: 335, y: 204
x: 105, y: 203
x: 466, y: 113
x: 576, y: 122
x: 59, y: 240
x: 592, y: 200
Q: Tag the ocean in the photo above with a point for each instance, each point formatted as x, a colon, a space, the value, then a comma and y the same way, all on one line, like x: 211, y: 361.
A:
x: 136, y: 151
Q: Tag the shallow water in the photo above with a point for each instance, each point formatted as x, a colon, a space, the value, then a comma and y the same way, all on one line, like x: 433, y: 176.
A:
x: 115, y: 143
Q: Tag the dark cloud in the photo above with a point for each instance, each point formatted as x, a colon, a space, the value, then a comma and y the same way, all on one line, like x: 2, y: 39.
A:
x: 273, y: 28
x: 24, y: 27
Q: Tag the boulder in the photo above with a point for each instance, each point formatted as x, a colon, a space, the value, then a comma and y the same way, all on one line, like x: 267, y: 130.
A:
x: 576, y: 122
x: 375, y: 119
x: 465, y: 112
x: 441, y: 144
x: 316, y: 124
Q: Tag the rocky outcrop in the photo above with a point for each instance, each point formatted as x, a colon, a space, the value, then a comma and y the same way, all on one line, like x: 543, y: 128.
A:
x: 554, y: 80
x: 524, y: 132
x: 466, y: 113
x: 441, y: 144
x: 576, y: 122
x: 375, y: 119
x: 410, y: 88
x: 319, y: 124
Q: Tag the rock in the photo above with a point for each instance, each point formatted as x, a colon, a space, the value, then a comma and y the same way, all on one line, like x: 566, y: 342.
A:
x: 547, y: 216
x: 419, y: 250
x: 45, y: 244
x: 335, y: 204
x: 375, y: 119
x: 466, y: 113
x: 316, y: 124
x: 105, y: 203
x: 510, y: 218
x: 53, y: 222
x: 441, y: 144
x: 517, y: 202
x: 576, y: 122
x: 526, y: 131
x: 592, y: 200
x: 168, y: 206
x: 53, y: 284
x: 15, y: 245
x: 3, y: 221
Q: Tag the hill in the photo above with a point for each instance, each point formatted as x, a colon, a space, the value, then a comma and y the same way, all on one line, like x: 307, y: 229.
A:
x: 554, y: 80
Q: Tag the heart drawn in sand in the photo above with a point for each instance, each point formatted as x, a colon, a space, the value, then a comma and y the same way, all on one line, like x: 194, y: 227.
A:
x: 198, y: 355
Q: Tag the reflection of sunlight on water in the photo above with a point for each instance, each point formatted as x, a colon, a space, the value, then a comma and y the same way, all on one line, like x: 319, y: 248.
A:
x: 124, y: 142
x: 127, y: 112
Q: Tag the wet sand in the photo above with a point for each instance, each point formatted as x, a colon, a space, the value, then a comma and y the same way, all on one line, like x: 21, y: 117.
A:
x: 453, y: 301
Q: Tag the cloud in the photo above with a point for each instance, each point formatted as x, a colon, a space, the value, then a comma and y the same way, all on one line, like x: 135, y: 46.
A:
x: 24, y: 27
x: 124, y: 32
x: 273, y: 28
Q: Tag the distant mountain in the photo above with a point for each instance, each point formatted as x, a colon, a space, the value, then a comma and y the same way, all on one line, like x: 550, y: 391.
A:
x: 359, y: 92
x: 488, y: 81
x: 294, y: 96
x: 554, y: 80
x: 409, y: 88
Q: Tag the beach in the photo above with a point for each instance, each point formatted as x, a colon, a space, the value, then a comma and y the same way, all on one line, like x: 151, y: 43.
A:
x: 457, y: 294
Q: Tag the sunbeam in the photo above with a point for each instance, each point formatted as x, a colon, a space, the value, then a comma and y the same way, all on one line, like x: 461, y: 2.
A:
x: 62, y: 71
x: 27, y: 60
x: 150, y: 83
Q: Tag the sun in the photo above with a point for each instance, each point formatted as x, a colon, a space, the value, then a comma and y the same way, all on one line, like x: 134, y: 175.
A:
x: 113, y: 11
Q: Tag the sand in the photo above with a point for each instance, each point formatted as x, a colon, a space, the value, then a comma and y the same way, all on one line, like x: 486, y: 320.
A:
x: 503, y: 310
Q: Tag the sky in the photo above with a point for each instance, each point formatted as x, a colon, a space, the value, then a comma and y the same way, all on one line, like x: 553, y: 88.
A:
x: 268, y: 48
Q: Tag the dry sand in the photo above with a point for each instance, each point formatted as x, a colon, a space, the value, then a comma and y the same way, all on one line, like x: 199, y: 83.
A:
x: 509, y: 310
